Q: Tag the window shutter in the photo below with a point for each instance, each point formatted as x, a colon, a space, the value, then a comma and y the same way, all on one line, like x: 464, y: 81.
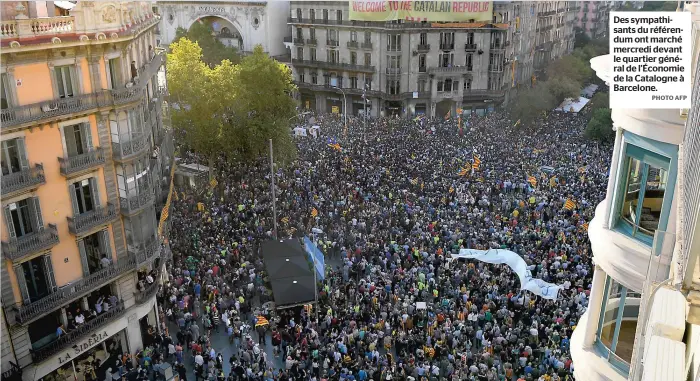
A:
x: 95, y: 192
x: 19, y: 273
x: 73, y: 199
x: 8, y: 222
x: 48, y: 267
x: 21, y: 148
x: 87, y: 135
x: 37, y: 211
x: 105, y: 246
x: 83, y: 257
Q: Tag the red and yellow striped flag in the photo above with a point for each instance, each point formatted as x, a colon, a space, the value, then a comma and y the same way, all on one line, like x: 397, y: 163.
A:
x: 569, y: 204
x: 261, y: 321
x: 314, y: 212
x: 532, y: 180
x: 476, y: 163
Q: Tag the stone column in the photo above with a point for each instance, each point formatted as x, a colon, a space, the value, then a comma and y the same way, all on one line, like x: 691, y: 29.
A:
x: 94, y: 68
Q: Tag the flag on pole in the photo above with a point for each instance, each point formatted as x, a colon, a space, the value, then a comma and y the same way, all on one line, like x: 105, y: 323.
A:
x: 314, y: 212
x: 261, y: 322
x: 476, y: 163
x: 532, y: 180
x: 463, y: 172
x: 569, y: 204
x: 516, y: 123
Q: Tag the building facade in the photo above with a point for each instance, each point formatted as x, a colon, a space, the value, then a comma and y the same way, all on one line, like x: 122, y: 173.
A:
x: 86, y: 156
x: 408, y: 68
x: 643, y: 311
x: 593, y: 18
x: 241, y: 24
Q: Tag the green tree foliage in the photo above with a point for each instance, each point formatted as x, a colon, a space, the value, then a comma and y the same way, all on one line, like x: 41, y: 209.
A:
x: 571, y: 68
x: 230, y: 110
x: 600, y: 100
x: 600, y: 126
x: 561, y: 88
x: 659, y: 6
x: 531, y: 103
x: 213, y: 50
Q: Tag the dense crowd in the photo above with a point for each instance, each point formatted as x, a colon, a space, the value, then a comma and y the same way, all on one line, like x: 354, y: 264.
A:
x: 392, y: 203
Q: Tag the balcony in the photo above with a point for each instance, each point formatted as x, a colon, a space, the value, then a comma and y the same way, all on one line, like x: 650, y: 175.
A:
x: 54, y: 109
x: 146, y: 295
x: 334, y: 65
x: 470, y: 47
x: 332, y: 43
x: 423, y: 48
x: 366, y: 45
x: 470, y: 95
x: 450, y: 70
x: 448, y: 46
x: 136, y: 203
x: 311, y: 41
x: 23, y: 180
x: 393, y: 70
x: 37, y: 27
x: 17, y: 248
x: 298, y: 41
x: 77, y: 334
x: 72, y: 291
x: 85, y: 222
x: 495, y: 68
x: 353, y: 44
x: 71, y: 165
x: 147, y: 252
x: 135, y: 147
x: 548, y: 13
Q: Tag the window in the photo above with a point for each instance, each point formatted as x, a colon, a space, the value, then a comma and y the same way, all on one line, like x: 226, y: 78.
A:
x: 470, y: 38
x: 312, y: 54
x: 93, y: 249
x: 368, y: 59
x: 617, y: 324
x: 78, y: 139
x: 446, y: 59
x: 645, y: 182
x: 353, y: 58
x: 447, y: 40
x: 368, y: 82
x: 326, y: 79
x: 333, y: 56
x: 64, y: 81
x: 312, y: 15
x: 422, y: 66
x: 300, y: 53
x: 83, y: 195
x: 312, y: 33
x: 440, y: 86
x: 368, y: 37
x: 447, y: 86
x: 469, y: 62
x: 314, y: 79
x: 300, y: 33
x: 298, y: 14
x: 393, y: 42
x: 114, y: 74
x: 495, y: 82
x: 421, y: 85
x: 393, y: 62
x: 353, y: 82
x: 339, y: 15
x: 301, y: 77
x: 392, y: 86
x: 35, y: 278
x: 424, y: 38
x: 325, y: 16
x: 14, y: 156
x: 23, y: 217
x: 333, y: 35
x: 4, y: 92
x: 353, y: 36
x: 468, y: 84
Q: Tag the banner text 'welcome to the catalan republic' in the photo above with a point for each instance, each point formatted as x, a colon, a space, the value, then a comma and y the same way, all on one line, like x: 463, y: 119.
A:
x: 364, y: 10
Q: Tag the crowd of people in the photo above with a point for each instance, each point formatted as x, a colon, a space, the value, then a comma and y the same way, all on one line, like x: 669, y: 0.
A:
x: 388, y: 205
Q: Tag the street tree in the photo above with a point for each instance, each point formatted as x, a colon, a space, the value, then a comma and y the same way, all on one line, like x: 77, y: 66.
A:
x: 600, y: 126
x: 531, y: 103
x: 213, y: 51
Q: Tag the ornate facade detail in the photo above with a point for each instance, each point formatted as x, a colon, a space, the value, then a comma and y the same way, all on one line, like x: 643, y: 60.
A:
x: 109, y: 14
x: 14, y: 44
x: 100, y: 36
x: 114, y: 35
x: 84, y: 37
x: 55, y: 40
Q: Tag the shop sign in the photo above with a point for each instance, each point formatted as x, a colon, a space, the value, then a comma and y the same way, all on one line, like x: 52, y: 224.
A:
x: 80, y: 348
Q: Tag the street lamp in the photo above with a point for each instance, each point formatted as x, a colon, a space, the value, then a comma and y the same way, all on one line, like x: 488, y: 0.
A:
x: 345, y: 110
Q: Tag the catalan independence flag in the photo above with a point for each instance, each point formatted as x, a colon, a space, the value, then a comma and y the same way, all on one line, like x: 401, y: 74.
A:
x: 569, y: 204
x: 414, y: 181
x: 314, y: 212
x: 261, y: 322
x: 463, y: 172
x: 532, y: 180
x: 477, y: 162
x: 285, y: 220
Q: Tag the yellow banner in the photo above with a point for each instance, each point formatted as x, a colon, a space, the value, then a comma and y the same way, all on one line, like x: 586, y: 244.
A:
x: 389, y: 10
x: 335, y: 109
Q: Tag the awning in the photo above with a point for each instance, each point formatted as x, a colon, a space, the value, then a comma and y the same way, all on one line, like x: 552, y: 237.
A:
x: 67, y: 5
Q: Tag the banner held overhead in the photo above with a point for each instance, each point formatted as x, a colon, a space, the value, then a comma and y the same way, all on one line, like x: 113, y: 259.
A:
x: 388, y: 10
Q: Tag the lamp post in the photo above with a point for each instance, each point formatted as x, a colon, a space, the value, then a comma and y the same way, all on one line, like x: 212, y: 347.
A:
x: 345, y: 111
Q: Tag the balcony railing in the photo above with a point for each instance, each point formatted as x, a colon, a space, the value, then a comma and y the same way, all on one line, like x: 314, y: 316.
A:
x: 55, y: 108
x: 145, y: 295
x: 16, y: 248
x: 470, y: 47
x: 42, y: 26
x: 332, y: 43
x: 86, y: 221
x: 450, y: 70
x: 366, y: 45
x: 334, y: 65
x: 299, y: 41
x: 79, y: 163
x: 27, y: 312
x: 353, y: 44
x: 494, y: 68
x: 147, y: 252
x: 25, y: 179
x: 311, y: 41
x: 134, y: 147
x: 445, y: 46
x: 548, y: 13
x: 72, y: 337
x: 423, y: 48
x: 479, y: 94
x: 393, y: 70
x: 136, y: 203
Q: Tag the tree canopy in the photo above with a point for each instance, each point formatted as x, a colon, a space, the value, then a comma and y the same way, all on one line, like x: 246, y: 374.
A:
x: 600, y: 126
x: 213, y: 50
x: 230, y: 111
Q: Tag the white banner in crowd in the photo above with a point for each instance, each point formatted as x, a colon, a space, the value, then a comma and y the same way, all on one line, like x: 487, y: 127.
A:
x: 517, y: 263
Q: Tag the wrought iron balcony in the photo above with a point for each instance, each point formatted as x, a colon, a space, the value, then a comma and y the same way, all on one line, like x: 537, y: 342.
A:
x: 393, y: 70
x: 136, y: 146
x: 17, y: 248
x: 135, y: 204
x: 72, y: 337
x: 86, y: 221
x: 333, y: 65
x: 469, y: 95
x: 447, y: 46
x: 470, y: 47
x: 332, y: 42
x: 75, y: 164
x: 72, y: 291
x: 353, y: 44
x: 422, y: 48
x: 311, y: 41
x: 450, y: 70
x: 146, y: 252
x: 298, y: 41
x: 145, y: 295
x: 366, y: 45
x: 23, y: 180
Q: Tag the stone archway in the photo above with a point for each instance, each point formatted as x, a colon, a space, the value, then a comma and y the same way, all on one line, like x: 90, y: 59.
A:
x: 226, y: 31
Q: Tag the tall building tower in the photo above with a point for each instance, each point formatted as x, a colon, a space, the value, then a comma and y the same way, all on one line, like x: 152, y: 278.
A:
x: 86, y: 160
x: 644, y: 308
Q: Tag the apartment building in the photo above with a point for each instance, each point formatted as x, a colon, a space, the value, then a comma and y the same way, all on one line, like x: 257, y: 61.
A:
x: 593, y: 18
x: 86, y: 157
x: 407, y: 68
x: 644, y: 307
x: 554, y: 33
